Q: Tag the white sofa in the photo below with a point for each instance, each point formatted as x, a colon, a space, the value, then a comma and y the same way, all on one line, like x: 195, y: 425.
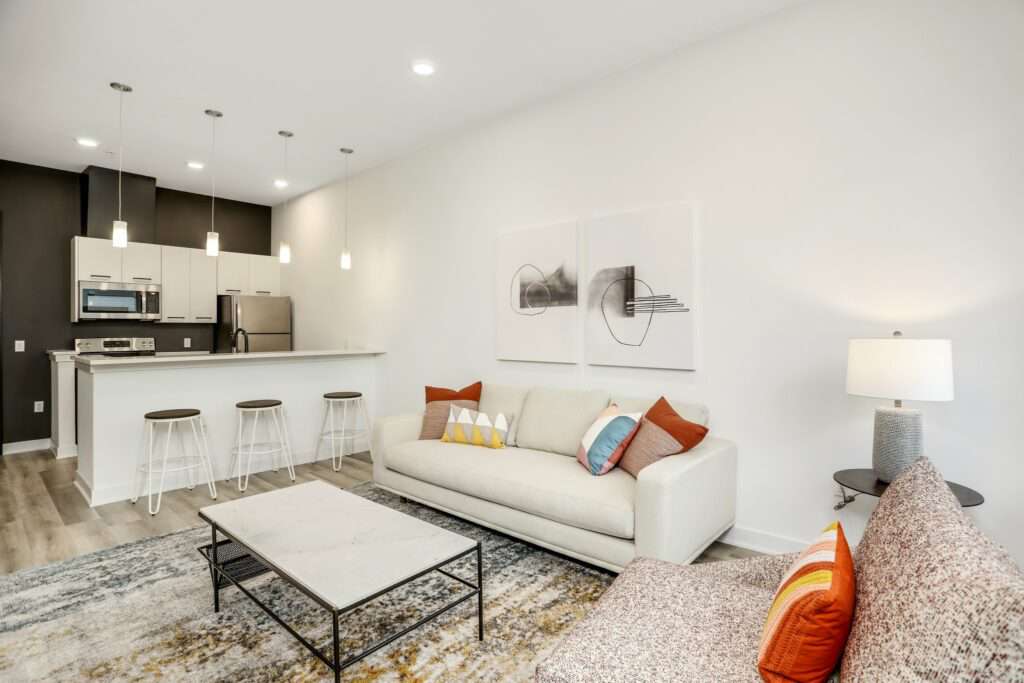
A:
x: 535, y: 490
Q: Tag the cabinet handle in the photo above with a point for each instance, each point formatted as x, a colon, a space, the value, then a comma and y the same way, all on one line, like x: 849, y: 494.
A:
x: 175, y: 317
x: 233, y: 290
x: 95, y: 275
x: 204, y: 317
x: 262, y: 291
x: 147, y: 279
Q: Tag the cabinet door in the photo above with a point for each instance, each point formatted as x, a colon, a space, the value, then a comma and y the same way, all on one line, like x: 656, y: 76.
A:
x: 203, y: 279
x: 232, y: 273
x: 142, y: 263
x: 174, y: 294
x: 98, y: 260
x: 265, y: 275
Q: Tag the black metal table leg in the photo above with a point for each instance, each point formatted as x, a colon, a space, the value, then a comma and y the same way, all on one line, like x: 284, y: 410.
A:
x: 479, y: 591
x: 337, y: 649
x: 216, y: 579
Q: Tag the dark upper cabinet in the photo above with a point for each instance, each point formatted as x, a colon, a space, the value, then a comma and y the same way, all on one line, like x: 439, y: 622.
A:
x: 99, y: 204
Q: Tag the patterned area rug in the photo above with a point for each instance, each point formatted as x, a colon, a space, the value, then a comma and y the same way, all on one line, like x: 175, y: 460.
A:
x: 144, y: 611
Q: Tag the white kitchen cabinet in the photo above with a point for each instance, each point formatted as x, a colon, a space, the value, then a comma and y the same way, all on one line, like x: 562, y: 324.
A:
x: 96, y: 259
x: 232, y: 273
x: 141, y: 263
x: 264, y: 275
x: 203, y: 280
x: 174, y: 295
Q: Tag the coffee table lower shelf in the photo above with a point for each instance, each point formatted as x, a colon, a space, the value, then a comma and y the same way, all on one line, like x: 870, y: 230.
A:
x: 231, y: 563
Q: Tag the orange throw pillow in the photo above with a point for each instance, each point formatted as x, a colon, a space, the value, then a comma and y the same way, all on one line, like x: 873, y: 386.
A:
x: 687, y: 433
x: 470, y: 393
x: 810, y: 618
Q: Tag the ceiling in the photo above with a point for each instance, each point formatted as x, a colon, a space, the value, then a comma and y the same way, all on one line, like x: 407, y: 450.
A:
x: 336, y: 72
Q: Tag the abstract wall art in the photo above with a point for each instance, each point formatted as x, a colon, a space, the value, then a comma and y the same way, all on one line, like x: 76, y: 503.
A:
x: 537, y: 297
x: 640, y: 308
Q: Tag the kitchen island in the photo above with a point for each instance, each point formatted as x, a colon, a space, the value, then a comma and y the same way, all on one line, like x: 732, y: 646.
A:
x: 115, y: 393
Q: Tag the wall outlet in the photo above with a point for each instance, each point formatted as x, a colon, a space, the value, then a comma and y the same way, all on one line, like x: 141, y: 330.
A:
x: 188, y: 342
x: 38, y: 406
x: 19, y: 345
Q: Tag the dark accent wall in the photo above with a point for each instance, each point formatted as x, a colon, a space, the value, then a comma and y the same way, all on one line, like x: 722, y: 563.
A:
x: 99, y: 204
x: 42, y: 211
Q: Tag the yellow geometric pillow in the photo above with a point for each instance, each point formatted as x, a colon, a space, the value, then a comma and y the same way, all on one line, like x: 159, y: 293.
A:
x: 475, y: 428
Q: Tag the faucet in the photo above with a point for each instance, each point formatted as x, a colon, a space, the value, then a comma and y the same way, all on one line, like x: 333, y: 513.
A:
x: 234, y: 340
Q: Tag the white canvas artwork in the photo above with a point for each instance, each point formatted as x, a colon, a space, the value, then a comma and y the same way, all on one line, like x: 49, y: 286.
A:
x: 537, y: 298
x: 639, y: 297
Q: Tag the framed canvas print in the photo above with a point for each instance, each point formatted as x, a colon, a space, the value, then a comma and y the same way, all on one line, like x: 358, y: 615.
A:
x: 640, y: 289
x: 537, y: 294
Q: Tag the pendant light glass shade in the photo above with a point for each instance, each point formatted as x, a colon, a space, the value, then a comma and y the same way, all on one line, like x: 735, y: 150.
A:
x: 284, y: 253
x: 119, y: 229
x: 120, y: 235
x: 346, y: 260
x: 212, y: 244
x: 212, y: 238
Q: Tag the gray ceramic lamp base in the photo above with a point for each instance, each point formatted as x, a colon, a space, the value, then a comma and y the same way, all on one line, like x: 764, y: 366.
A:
x: 899, y: 441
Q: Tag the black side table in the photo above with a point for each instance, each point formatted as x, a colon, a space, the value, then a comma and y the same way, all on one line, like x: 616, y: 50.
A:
x: 865, y: 481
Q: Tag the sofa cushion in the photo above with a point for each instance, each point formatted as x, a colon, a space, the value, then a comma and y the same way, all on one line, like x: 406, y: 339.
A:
x: 435, y: 417
x: 661, y: 621
x: 541, y: 483
x: 555, y: 419
x: 694, y: 412
x: 936, y: 600
x: 505, y: 399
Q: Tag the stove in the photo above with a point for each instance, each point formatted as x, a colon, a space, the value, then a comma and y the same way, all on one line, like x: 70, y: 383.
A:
x: 116, y: 346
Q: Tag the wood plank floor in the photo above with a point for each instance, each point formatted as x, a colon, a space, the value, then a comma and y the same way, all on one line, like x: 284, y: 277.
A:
x: 44, y: 519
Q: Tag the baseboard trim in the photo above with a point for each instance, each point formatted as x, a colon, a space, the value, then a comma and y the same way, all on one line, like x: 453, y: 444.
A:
x: 26, y: 446
x: 763, y: 541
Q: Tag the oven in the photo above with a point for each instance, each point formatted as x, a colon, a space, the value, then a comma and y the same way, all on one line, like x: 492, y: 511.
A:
x: 118, y: 301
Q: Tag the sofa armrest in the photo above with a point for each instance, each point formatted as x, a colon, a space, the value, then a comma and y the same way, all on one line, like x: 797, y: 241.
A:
x: 388, y: 431
x: 685, y: 501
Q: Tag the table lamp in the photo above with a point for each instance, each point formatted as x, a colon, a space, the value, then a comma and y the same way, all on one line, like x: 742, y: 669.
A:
x: 903, y: 370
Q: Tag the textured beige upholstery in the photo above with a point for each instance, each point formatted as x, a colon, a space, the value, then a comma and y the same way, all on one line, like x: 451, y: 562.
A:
x: 556, y: 419
x: 507, y: 399
x: 541, y: 483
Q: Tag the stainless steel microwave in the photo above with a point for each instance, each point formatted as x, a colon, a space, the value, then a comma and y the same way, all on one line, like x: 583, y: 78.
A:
x: 118, y: 301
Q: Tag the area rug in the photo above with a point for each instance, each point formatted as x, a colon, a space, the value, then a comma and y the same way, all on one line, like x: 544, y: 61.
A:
x: 143, y: 611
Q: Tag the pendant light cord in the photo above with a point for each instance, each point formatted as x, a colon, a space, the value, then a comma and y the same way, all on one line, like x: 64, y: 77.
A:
x: 346, y: 201
x: 120, y: 147
x: 213, y: 172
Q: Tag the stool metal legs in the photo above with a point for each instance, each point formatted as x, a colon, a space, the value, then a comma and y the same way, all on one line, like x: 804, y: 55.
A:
x: 339, y: 436
x: 186, y: 462
x: 279, y: 447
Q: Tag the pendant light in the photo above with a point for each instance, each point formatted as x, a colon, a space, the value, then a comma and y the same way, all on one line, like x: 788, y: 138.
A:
x: 346, y: 255
x: 120, y: 227
x: 212, y: 238
x: 284, y: 250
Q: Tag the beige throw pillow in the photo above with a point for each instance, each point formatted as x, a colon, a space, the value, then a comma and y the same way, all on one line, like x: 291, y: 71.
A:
x: 435, y: 417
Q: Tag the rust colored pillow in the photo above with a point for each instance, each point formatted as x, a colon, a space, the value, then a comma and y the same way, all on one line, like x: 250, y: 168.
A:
x: 687, y: 433
x: 438, y: 401
x: 470, y: 393
x: 810, y: 618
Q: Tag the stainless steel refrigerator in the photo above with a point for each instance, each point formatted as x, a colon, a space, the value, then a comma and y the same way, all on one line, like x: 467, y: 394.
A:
x: 253, y: 323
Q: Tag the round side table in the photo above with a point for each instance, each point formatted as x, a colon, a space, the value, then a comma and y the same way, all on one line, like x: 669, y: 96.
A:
x: 864, y: 481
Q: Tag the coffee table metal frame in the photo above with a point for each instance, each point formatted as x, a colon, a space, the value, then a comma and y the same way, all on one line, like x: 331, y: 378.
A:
x: 336, y: 663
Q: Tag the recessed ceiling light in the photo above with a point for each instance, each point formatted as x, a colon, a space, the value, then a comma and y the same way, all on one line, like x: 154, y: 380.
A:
x: 280, y: 183
x: 196, y: 165
x: 87, y: 142
x: 422, y: 67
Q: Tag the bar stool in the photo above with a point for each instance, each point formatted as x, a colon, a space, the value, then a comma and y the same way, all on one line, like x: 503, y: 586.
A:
x: 190, y: 420
x: 343, y: 402
x: 278, y: 443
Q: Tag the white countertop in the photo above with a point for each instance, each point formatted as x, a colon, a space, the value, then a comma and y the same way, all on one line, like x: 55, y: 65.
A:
x: 93, y: 363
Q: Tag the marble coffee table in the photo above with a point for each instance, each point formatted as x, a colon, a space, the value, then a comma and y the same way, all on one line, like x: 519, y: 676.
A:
x: 339, y: 549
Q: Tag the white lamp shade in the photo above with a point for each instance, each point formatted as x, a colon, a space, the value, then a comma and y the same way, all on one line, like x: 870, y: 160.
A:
x: 901, y: 369
x: 212, y: 244
x: 119, y: 234
x: 284, y: 253
x: 346, y: 260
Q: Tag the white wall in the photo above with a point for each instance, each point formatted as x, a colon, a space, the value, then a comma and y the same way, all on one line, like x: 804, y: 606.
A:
x: 859, y: 168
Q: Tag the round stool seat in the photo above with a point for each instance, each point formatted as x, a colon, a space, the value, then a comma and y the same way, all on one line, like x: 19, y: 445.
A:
x: 343, y: 394
x: 258, y: 403
x: 172, y: 414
